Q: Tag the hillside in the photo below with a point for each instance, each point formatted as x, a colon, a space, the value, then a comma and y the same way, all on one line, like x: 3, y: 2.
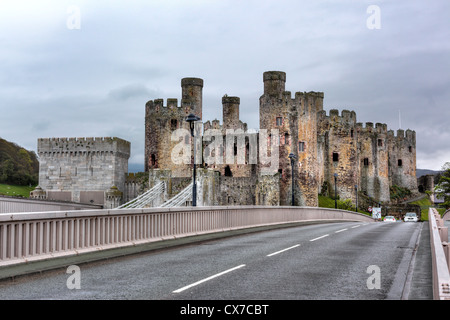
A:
x: 422, y: 172
x: 17, y: 165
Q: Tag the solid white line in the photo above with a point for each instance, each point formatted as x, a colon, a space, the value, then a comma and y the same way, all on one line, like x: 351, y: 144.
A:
x: 207, y: 279
x: 326, y: 235
x: 272, y: 254
x: 340, y: 230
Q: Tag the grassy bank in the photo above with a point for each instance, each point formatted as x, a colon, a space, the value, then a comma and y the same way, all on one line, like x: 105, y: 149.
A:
x: 325, y: 202
x: 15, y: 191
x: 425, y: 204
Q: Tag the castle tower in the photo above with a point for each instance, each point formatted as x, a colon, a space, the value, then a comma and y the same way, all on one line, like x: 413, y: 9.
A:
x: 230, y: 108
x: 161, y: 121
x: 308, y: 104
x: 402, y: 159
x: 191, y: 95
x: 274, y: 83
x: 294, y: 122
x: 82, y: 169
x: 373, y: 161
x: 338, y: 153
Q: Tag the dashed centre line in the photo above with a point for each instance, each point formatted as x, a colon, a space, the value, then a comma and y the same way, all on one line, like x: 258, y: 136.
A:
x: 326, y: 235
x: 207, y: 279
x: 243, y: 265
x: 274, y: 253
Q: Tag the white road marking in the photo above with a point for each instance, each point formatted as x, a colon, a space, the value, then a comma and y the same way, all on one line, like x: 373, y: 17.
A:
x: 340, y: 230
x: 326, y: 235
x: 356, y: 226
x: 207, y: 279
x: 272, y: 254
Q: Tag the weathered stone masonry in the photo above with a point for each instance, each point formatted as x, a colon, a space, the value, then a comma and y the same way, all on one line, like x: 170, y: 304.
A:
x: 83, y: 169
x: 367, y: 157
x: 373, y: 158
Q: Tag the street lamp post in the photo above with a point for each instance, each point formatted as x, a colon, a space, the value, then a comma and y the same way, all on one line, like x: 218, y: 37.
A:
x: 292, y: 157
x: 356, y: 193
x: 335, y: 190
x: 192, y: 118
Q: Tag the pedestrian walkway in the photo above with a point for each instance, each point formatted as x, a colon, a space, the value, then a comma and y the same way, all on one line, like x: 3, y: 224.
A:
x: 421, y: 284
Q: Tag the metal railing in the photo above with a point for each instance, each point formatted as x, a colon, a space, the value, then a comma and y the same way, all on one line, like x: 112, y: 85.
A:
x: 439, y: 256
x: 26, y: 237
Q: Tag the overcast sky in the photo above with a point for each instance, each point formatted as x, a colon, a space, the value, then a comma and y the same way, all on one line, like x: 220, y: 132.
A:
x: 87, y: 68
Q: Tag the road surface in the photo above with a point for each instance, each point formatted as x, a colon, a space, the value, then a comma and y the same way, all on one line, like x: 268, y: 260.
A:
x: 347, y: 260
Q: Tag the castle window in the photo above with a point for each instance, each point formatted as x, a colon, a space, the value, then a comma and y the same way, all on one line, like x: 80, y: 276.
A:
x: 410, y: 149
x: 286, y: 138
x: 351, y: 133
x: 366, y: 162
x: 228, y: 172
x: 301, y: 146
x: 335, y: 157
x: 279, y: 121
x: 153, y: 160
x: 380, y: 142
x: 400, y: 162
x: 173, y: 124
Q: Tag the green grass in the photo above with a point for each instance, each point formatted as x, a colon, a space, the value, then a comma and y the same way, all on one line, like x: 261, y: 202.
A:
x: 325, y: 202
x: 425, y: 204
x: 15, y: 191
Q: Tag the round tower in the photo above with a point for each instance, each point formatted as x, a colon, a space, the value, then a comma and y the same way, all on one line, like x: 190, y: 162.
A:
x: 274, y: 82
x: 191, y: 95
x: 230, y: 107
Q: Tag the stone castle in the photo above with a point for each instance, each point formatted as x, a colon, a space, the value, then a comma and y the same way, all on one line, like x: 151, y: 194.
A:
x: 237, y: 165
x: 369, y: 158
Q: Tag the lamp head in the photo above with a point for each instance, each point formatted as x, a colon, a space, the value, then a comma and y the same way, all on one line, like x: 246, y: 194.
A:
x: 191, y: 119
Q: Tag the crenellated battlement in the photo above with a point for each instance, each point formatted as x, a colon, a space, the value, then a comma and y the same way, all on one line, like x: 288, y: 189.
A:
x: 214, y: 124
x: 346, y: 118
x: 407, y: 137
x: 158, y: 106
x: 82, y: 146
x: 380, y: 128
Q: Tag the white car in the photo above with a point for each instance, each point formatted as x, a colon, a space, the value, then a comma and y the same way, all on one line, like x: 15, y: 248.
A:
x: 389, y: 219
x: 410, y: 216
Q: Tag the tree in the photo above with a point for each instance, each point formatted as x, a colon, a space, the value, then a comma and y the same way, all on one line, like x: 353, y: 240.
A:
x: 442, y: 189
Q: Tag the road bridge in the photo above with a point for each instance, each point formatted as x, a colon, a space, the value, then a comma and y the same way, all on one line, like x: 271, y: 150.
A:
x: 297, y: 253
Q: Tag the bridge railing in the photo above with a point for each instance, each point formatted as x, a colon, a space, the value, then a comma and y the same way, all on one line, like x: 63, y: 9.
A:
x: 27, y: 237
x: 440, y: 256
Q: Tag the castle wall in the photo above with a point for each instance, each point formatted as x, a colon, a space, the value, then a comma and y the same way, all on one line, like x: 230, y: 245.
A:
x: 267, y: 190
x: 82, y: 169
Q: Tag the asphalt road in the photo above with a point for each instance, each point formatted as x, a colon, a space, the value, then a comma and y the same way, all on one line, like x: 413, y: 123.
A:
x: 347, y: 260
